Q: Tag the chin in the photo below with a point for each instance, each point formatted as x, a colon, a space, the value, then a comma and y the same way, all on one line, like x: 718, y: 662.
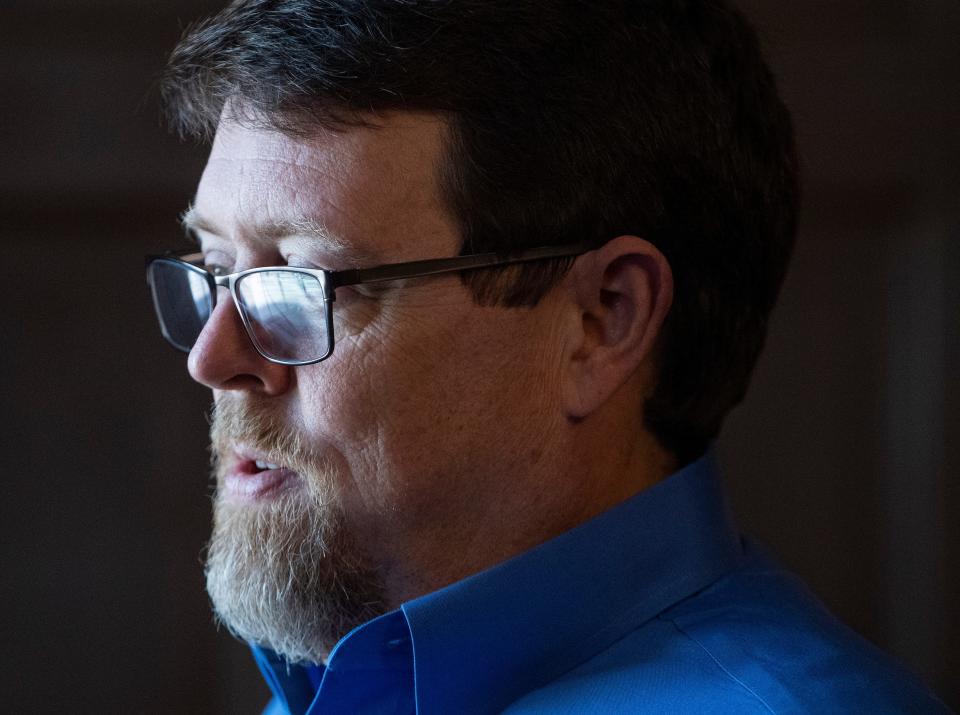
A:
x: 288, y: 575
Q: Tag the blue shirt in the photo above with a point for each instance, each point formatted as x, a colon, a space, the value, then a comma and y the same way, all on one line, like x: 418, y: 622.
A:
x: 655, y: 606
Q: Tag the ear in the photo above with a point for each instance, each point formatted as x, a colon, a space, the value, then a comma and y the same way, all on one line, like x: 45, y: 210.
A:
x: 622, y: 293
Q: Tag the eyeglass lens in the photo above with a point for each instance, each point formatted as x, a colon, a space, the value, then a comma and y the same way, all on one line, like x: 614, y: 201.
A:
x: 284, y: 311
x: 183, y: 302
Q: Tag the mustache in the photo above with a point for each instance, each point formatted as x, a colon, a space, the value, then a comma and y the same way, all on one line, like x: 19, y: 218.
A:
x: 240, y: 420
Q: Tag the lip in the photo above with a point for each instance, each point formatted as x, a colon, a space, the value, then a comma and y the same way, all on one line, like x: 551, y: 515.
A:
x: 244, y: 482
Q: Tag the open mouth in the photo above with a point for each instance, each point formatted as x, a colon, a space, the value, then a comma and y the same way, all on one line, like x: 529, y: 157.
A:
x: 253, y: 478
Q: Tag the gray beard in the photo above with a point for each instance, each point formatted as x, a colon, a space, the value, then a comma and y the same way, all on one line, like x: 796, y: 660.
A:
x: 285, y: 575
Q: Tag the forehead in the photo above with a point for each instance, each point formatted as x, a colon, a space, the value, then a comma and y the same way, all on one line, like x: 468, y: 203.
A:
x: 358, y: 185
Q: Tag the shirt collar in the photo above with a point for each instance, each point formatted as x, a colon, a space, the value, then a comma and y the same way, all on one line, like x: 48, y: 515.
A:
x: 521, y: 624
x: 482, y: 642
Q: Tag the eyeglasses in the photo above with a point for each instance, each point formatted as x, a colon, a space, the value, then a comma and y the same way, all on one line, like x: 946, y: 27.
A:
x: 288, y: 312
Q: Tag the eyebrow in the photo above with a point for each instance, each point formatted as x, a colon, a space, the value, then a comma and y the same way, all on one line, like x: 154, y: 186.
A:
x: 299, y: 226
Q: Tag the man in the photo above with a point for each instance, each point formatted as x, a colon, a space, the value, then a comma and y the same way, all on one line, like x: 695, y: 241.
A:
x: 494, y: 274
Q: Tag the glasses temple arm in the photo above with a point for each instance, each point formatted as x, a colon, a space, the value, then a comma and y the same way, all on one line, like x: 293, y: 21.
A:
x: 433, y: 266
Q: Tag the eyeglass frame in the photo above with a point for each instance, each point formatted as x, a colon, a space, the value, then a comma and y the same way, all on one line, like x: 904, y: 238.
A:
x: 330, y: 280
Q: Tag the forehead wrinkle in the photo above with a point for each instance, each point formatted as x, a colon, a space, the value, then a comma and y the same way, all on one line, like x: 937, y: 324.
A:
x: 280, y: 208
x: 349, y: 195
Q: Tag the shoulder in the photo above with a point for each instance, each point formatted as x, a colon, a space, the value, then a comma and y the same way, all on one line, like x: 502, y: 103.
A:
x: 757, y: 641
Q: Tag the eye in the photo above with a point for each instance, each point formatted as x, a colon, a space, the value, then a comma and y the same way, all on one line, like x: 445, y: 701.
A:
x: 217, y: 263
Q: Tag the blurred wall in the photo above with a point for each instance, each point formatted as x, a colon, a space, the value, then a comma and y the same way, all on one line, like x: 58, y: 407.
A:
x: 106, y: 509
x: 843, y: 458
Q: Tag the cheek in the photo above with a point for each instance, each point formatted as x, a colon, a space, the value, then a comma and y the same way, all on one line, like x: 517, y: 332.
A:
x: 371, y: 404
x: 462, y: 391
x: 427, y: 411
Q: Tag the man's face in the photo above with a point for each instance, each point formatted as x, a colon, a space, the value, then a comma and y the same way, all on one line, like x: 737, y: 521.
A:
x: 397, y: 453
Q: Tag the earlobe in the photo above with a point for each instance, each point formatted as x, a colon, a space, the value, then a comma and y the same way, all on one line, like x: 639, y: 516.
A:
x: 623, y: 292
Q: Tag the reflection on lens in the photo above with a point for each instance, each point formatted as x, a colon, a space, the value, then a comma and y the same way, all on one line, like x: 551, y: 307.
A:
x: 285, y: 312
x: 182, y: 299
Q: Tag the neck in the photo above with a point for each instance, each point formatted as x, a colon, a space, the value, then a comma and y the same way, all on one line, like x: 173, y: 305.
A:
x: 589, y: 467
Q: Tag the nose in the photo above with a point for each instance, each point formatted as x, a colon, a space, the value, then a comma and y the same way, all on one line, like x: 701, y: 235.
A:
x: 223, y: 357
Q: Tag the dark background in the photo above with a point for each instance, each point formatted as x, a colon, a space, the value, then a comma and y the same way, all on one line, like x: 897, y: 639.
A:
x: 844, y: 458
